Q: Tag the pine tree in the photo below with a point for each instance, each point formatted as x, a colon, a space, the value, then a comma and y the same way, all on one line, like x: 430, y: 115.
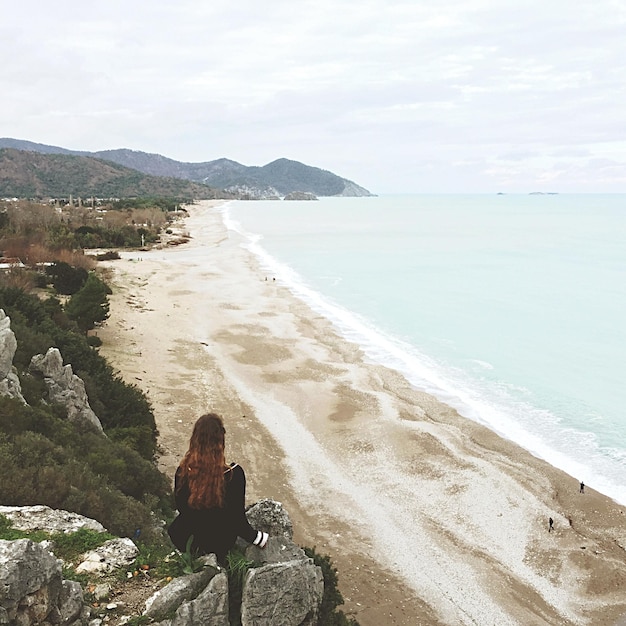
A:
x: 90, y: 304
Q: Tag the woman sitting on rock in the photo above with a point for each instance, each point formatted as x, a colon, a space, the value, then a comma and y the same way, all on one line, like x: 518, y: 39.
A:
x: 210, y: 495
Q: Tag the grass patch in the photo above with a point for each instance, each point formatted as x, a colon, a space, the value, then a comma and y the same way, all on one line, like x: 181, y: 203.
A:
x: 237, y: 566
x: 67, y: 546
x: 8, y: 533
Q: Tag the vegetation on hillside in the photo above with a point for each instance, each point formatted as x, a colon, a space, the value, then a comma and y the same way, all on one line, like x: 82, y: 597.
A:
x: 89, y: 306
x: 34, y: 175
x: 52, y: 461
x: 285, y: 175
x: 123, y: 409
x: 45, y: 459
x: 39, y: 233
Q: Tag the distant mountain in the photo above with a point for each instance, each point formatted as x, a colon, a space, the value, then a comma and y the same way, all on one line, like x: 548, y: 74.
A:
x: 277, y: 178
x: 26, y: 174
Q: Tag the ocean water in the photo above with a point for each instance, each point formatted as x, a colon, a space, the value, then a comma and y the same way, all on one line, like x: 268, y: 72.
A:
x: 511, y: 308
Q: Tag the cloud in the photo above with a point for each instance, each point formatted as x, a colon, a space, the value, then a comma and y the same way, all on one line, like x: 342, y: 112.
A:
x: 402, y: 95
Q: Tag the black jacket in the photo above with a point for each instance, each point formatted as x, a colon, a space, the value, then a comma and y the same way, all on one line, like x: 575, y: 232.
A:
x: 215, y: 529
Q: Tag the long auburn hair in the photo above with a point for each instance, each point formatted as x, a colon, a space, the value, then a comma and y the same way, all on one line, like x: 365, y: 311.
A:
x: 203, y: 465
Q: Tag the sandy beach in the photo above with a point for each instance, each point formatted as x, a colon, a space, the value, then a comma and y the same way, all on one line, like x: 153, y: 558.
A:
x: 429, y: 517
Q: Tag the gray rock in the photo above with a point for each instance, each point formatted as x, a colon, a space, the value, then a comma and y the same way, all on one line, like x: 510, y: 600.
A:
x: 40, y: 517
x: 8, y: 344
x: 169, y: 598
x: 71, y: 605
x: 210, y: 608
x: 102, y: 592
x: 109, y: 556
x: 277, y: 550
x: 10, y: 386
x: 270, y: 516
x: 286, y: 587
x: 9, y: 382
x: 209, y: 560
x: 30, y: 581
x: 65, y: 388
x: 282, y: 594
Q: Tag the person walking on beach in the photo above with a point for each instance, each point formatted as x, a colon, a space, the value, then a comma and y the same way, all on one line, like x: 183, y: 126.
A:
x: 550, y: 525
x: 582, y: 487
x: 210, y: 496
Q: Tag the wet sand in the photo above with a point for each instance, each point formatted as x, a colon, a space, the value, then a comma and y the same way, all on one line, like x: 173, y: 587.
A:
x: 429, y: 517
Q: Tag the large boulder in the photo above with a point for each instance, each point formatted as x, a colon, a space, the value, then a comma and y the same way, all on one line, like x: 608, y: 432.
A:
x: 65, y: 388
x: 110, y: 556
x: 208, y: 608
x: 182, y: 589
x: 8, y: 344
x: 40, y: 517
x: 32, y: 590
x: 270, y: 516
x: 285, y: 587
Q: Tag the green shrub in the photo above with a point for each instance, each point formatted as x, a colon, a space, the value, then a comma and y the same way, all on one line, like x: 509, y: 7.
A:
x: 52, y: 462
x: 40, y: 280
x: 40, y: 325
x: 65, y: 278
x: 90, y: 304
x: 94, y: 341
x: 329, y: 615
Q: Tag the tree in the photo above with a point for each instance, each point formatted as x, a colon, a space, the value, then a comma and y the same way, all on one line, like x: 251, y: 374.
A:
x: 65, y: 278
x: 90, y: 305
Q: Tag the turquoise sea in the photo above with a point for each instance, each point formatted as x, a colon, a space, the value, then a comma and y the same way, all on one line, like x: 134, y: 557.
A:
x: 511, y: 308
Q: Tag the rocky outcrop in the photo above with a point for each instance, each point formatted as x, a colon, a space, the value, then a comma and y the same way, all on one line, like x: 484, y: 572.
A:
x: 283, y: 586
x: 110, y: 556
x: 32, y: 589
x: 40, y: 517
x: 65, y: 388
x: 271, y: 517
x: 352, y: 190
x: 247, y: 192
x: 183, y: 589
x: 200, y: 598
x: 300, y: 195
x: 9, y: 382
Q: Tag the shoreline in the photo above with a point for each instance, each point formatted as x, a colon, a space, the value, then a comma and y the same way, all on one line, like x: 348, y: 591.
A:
x: 460, y: 536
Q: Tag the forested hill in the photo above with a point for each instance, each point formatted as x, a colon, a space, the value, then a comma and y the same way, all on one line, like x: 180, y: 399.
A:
x: 279, y: 177
x: 33, y: 174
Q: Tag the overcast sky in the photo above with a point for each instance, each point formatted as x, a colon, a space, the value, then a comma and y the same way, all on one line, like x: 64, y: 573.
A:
x: 396, y: 95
